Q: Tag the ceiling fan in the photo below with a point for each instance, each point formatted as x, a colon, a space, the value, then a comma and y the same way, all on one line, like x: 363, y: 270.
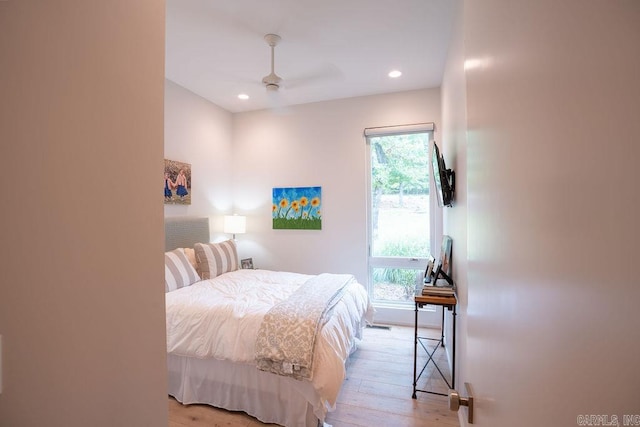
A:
x: 272, y: 81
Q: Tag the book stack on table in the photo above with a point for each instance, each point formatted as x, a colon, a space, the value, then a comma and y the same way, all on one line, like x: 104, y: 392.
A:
x: 441, y: 289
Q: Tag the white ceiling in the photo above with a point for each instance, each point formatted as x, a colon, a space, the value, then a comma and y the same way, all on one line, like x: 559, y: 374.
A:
x: 330, y: 49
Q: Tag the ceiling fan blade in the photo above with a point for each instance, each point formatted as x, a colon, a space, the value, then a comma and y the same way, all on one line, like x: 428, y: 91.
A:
x: 325, y: 73
x: 277, y: 102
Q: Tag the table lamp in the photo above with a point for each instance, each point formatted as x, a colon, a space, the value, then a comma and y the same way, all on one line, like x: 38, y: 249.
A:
x: 235, y: 224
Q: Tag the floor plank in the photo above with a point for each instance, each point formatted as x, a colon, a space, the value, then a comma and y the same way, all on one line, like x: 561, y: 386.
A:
x: 377, y: 390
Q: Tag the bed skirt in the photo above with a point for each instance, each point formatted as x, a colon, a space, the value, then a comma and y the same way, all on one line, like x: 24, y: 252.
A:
x: 242, y: 387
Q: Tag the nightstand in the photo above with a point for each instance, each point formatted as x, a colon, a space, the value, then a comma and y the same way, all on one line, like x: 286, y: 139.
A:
x: 450, y: 303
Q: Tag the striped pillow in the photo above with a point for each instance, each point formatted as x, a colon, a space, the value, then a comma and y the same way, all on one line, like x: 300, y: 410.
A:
x: 215, y: 259
x: 178, y: 271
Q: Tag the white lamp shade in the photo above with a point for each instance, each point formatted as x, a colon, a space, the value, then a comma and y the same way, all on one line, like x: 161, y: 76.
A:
x: 235, y: 224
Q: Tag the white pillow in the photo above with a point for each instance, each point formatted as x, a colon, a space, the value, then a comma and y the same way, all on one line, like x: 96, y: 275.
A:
x: 178, y: 271
x: 215, y: 259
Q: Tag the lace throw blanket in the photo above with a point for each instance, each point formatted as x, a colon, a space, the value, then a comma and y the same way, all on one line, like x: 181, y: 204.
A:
x: 287, y: 335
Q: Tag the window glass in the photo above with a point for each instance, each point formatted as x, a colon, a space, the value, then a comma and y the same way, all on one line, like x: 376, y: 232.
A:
x: 399, y: 214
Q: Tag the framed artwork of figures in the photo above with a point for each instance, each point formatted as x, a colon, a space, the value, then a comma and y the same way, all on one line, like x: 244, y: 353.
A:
x: 177, y: 182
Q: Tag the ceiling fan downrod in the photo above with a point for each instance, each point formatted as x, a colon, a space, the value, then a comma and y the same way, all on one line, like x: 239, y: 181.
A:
x: 272, y: 81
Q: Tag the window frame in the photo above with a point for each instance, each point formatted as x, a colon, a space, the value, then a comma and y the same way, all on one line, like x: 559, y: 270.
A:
x: 435, y: 214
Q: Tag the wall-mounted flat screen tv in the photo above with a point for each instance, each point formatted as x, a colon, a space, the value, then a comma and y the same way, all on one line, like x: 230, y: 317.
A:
x: 443, y: 177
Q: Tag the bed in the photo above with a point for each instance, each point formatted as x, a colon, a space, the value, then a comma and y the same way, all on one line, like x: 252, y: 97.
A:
x: 231, y: 332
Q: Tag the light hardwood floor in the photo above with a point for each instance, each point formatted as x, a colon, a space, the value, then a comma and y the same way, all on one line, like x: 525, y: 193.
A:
x: 376, y: 392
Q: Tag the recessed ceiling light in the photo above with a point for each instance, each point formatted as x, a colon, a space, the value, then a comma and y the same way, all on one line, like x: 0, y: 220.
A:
x: 243, y: 96
x: 395, y: 74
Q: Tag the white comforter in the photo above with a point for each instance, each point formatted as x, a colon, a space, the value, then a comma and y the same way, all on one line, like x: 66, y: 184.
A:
x: 220, y: 318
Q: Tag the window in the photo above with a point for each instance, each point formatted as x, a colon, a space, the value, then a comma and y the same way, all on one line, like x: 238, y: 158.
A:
x: 399, y: 220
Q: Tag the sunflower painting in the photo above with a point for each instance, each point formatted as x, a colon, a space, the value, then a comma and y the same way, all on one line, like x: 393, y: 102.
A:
x: 297, y: 208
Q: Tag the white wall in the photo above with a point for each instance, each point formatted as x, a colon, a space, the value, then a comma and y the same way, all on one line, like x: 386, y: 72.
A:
x: 81, y: 299
x: 552, y: 197
x: 319, y: 144
x: 454, y: 139
x: 199, y: 133
x: 238, y: 159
